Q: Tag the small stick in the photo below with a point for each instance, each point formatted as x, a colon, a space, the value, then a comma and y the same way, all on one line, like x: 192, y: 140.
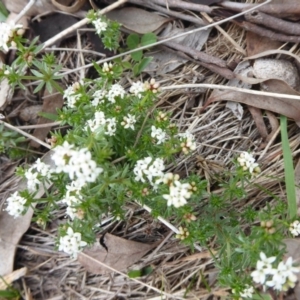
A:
x: 184, y: 5
x: 269, y: 33
x: 168, y: 12
x: 277, y: 24
x: 25, y: 134
x: 24, y: 11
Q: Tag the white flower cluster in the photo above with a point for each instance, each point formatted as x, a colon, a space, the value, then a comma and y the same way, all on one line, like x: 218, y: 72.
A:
x: 71, y: 95
x: 149, y: 168
x: 72, y: 199
x: 15, y: 204
x: 100, y: 26
x: 71, y: 243
x: 99, y: 97
x: 116, y: 90
x: 188, y: 142
x: 295, y: 228
x: 129, y: 121
x: 77, y: 163
x: 247, y: 161
x: 7, y: 32
x: 107, y: 68
x: 38, y: 169
x: 137, y: 88
x: 100, y: 120
x: 283, y: 276
x: 158, y: 134
x: 179, y: 192
x: 247, y: 292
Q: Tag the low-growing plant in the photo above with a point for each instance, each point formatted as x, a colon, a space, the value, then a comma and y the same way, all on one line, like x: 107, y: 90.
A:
x: 119, y: 148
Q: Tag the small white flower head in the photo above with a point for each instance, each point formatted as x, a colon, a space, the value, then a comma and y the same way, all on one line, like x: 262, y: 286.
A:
x: 295, y: 228
x: 188, y: 142
x: 116, y: 90
x: 129, y: 121
x: 71, y: 243
x: 99, y: 97
x: 263, y: 268
x: 247, y: 292
x: 32, y: 180
x: 107, y: 68
x: 170, y: 178
x: 137, y: 88
x: 61, y: 156
x: 15, y: 204
x: 179, y: 194
x: 98, y: 121
x: 71, y: 94
x: 152, y: 86
x: 111, y: 126
x: 161, y: 117
x: 247, y: 161
x: 150, y: 169
x: 7, y: 32
x: 158, y: 134
x: 42, y: 168
x: 183, y: 233
x: 100, y: 26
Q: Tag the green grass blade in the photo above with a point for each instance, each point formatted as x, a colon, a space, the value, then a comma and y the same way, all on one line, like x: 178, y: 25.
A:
x: 3, y: 12
x: 288, y: 169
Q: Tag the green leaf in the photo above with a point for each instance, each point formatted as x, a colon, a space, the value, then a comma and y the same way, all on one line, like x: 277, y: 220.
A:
x: 49, y: 116
x: 148, y: 39
x: 143, y: 64
x: 133, y: 41
x: 288, y: 169
x: 137, y: 56
x: 139, y: 273
x: 39, y: 87
x: 126, y: 65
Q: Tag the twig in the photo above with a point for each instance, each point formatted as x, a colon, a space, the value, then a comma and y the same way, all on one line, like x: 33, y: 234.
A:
x: 168, y: 12
x: 277, y: 24
x: 39, y: 125
x: 282, y: 9
x: 170, y: 38
x: 25, y: 134
x: 24, y: 11
x: 184, y: 5
x: 232, y: 88
x: 269, y: 33
x: 75, y: 50
x: 80, y: 24
x: 198, y: 55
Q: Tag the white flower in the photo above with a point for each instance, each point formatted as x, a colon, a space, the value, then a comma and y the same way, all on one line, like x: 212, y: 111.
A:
x: 247, y: 161
x: 32, y: 180
x: 78, y: 164
x: 98, y: 97
x: 99, y: 120
x: 100, y: 26
x: 263, y: 268
x: 71, y: 96
x: 111, y: 126
x: 149, y: 168
x: 61, y: 156
x: 129, y: 121
x: 15, y: 204
x: 6, y: 34
x: 137, y: 89
x: 247, y: 292
x: 116, y: 90
x: 295, y: 228
x: 107, y: 68
x: 158, y: 134
x: 42, y: 168
x: 179, y: 193
x: 71, y: 243
x: 188, y: 142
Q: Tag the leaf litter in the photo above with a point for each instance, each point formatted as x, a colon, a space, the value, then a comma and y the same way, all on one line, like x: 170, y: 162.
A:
x: 219, y: 135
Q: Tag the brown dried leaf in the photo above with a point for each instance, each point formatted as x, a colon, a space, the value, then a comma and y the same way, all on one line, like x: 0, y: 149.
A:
x: 12, y: 229
x: 286, y: 107
x: 50, y: 105
x: 10, y: 278
x: 137, y: 20
x: 119, y: 255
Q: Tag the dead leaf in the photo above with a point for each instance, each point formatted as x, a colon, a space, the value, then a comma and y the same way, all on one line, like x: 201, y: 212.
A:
x: 286, y: 107
x: 166, y: 61
x: 41, y: 6
x: 138, y: 20
x: 10, y: 278
x: 30, y: 113
x: 113, y: 251
x: 297, y: 183
x: 50, y: 105
x: 64, y: 5
x: 12, y: 229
